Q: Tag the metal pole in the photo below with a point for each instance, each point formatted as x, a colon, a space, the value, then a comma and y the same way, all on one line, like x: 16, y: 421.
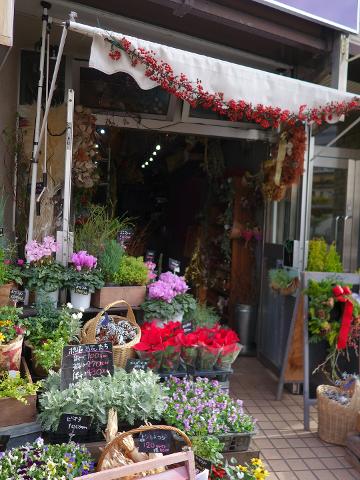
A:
x: 37, y: 141
x: 67, y: 177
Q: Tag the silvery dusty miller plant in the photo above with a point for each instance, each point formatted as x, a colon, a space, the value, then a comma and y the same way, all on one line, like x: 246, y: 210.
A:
x: 136, y: 396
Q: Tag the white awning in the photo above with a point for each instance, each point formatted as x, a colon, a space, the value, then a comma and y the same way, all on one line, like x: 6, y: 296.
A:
x: 235, y: 81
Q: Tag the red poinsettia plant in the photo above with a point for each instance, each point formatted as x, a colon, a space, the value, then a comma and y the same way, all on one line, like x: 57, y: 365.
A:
x: 204, y: 348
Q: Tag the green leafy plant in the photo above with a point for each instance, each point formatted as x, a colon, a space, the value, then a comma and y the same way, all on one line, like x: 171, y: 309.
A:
x: 109, y: 259
x: 93, y: 279
x: 10, y: 324
x: 42, y: 462
x: 17, y: 387
x: 131, y: 271
x: 322, y: 258
x: 281, y: 278
x: 137, y: 396
x: 8, y: 271
x: 98, y: 229
x: 204, y: 316
x: 209, y: 448
x: 46, y: 277
x: 50, y: 331
x: 181, y: 304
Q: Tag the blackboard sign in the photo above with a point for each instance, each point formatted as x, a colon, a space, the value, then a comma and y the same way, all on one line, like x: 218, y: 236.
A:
x: 17, y: 295
x: 155, y: 441
x: 74, y: 424
x: 86, y: 361
x: 174, y: 265
x: 82, y: 289
x: 188, y: 326
x: 136, y: 364
x: 201, y: 464
x: 150, y: 256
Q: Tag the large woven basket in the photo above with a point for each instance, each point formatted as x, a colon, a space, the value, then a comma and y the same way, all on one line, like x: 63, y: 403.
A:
x: 118, y: 444
x: 336, y: 420
x: 121, y: 352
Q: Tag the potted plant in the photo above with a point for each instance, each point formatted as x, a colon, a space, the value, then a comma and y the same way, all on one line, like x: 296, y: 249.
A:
x: 17, y: 398
x: 137, y: 397
x: 167, y: 299
x: 11, y: 338
x: 41, y: 462
x: 125, y: 282
x: 83, y: 278
x: 10, y: 277
x: 283, y: 281
x: 201, y: 408
x: 43, y: 274
x: 48, y: 333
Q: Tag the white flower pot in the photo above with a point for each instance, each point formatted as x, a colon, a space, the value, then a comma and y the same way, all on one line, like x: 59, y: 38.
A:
x: 51, y: 297
x: 161, y: 322
x: 79, y: 300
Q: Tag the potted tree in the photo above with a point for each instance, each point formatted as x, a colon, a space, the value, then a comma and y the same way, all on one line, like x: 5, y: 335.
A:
x: 124, y: 281
x: 83, y: 278
x: 10, y: 277
x: 43, y: 274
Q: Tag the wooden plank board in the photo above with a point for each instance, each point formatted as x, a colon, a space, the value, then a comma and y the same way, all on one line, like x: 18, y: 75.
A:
x: 294, y: 370
x: 6, y: 22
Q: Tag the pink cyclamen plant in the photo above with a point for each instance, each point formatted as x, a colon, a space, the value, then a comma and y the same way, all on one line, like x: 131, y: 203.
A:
x: 83, y: 260
x: 167, y: 287
x: 36, y: 251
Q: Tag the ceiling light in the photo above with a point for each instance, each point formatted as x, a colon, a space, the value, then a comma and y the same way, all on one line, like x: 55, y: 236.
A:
x: 96, y: 145
x: 146, y: 163
x: 158, y: 147
x: 142, y: 166
x: 154, y: 152
x: 102, y: 131
x: 151, y: 159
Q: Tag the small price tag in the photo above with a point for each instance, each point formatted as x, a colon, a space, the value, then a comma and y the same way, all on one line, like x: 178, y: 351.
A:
x: 74, y: 424
x: 155, y: 441
x: 136, y: 364
x: 17, y: 295
x: 82, y: 289
x: 188, y: 326
x: 150, y: 256
x: 201, y: 464
x: 174, y: 265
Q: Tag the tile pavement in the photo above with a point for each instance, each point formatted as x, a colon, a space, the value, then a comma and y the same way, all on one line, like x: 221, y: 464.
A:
x: 289, y: 452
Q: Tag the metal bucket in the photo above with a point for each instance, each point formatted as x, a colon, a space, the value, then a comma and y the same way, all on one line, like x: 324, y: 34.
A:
x: 245, y: 327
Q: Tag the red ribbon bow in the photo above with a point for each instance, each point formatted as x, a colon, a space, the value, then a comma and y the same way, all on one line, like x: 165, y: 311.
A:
x: 347, y: 315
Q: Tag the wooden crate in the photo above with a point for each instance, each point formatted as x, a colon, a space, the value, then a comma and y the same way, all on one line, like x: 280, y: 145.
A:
x: 13, y: 412
x: 186, y: 472
x: 134, y: 296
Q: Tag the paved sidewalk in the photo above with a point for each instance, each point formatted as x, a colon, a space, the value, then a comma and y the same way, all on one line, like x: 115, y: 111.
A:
x: 289, y: 452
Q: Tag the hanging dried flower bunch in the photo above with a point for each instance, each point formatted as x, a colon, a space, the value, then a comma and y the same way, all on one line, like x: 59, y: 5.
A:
x: 84, y: 149
x: 287, y: 163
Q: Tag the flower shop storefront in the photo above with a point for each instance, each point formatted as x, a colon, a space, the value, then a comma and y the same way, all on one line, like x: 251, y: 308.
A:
x: 131, y: 304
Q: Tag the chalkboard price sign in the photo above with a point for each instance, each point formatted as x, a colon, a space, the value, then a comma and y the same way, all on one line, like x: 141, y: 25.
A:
x: 74, y: 424
x: 150, y: 256
x: 188, y: 326
x: 201, y: 464
x: 86, y: 361
x: 136, y: 364
x: 82, y: 289
x: 17, y: 295
x: 174, y: 265
x: 155, y: 441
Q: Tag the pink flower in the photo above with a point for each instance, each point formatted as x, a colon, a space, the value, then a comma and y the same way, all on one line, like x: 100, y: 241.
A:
x: 7, y: 262
x: 36, y: 251
x: 20, y: 262
x: 83, y: 260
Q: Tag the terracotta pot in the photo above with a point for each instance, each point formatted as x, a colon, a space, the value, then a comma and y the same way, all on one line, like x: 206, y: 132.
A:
x: 134, y: 296
x: 4, y: 294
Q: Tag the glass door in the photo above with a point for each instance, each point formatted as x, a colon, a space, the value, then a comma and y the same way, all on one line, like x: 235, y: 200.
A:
x: 335, y: 204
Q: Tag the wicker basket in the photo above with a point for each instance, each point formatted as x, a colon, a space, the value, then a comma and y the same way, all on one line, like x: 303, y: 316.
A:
x: 10, y: 354
x: 121, y: 352
x: 118, y: 444
x: 336, y: 420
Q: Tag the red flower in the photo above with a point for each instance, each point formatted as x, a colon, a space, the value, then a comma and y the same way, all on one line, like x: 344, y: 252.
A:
x: 338, y: 290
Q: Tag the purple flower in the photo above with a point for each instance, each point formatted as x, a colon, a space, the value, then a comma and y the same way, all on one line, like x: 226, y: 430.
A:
x: 83, y: 260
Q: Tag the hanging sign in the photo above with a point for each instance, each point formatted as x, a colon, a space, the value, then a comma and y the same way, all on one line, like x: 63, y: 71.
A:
x: 17, y: 295
x: 136, y: 364
x: 174, y: 265
x: 201, y: 464
x: 155, y: 441
x: 82, y: 289
x: 86, y: 361
x: 73, y: 424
